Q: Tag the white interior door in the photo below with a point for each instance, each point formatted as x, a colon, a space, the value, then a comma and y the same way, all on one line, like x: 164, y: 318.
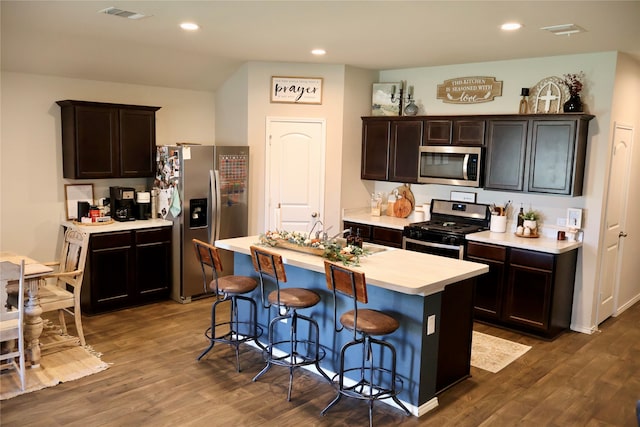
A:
x: 614, y: 221
x: 295, y: 173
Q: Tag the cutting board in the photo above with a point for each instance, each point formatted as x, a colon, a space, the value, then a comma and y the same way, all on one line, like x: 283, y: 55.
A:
x: 402, y: 207
x: 405, y: 191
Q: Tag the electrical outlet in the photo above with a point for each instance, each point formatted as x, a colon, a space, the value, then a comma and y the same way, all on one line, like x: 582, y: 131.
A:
x: 562, y: 222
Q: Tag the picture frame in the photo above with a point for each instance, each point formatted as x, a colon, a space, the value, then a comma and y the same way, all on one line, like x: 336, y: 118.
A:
x: 574, y: 218
x: 381, y: 102
x: 74, y: 193
x: 296, y: 90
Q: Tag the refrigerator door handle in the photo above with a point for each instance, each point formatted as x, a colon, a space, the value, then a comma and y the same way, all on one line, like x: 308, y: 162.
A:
x: 215, y: 205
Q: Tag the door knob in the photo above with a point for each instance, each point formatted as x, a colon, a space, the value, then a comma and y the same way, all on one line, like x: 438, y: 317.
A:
x: 314, y: 214
x: 622, y: 234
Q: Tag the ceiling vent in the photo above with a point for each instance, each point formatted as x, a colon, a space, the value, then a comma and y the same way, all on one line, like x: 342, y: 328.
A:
x: 564, y: 29
x: 122, y: 13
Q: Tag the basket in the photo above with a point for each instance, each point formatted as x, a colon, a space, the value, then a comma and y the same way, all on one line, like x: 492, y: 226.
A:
x: 292, y: 246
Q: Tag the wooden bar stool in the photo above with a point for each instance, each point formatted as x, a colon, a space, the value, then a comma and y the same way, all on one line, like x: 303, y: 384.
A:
x: 298, y: 351
x: 374, y: 382
x: 228, y: 288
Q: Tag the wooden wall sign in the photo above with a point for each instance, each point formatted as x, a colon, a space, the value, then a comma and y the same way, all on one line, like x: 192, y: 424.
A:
x: 469, y: 90
x: 296, y: 90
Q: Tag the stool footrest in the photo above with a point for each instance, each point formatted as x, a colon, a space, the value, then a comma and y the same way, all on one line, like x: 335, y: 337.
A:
x: 300, y: 359
x: 364, y: 389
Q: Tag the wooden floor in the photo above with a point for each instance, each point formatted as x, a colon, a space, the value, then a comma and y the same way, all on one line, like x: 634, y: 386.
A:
x: 154, y: 380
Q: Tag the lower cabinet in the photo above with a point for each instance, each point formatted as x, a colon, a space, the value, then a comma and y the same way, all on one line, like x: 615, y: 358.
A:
x: 127, y: 268
x: 525, y: 290
x: 378, y: 235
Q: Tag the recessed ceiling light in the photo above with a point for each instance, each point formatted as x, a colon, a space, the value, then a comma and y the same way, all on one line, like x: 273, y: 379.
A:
x: 318, y: 52
x: 189, y: 26
x: 564, y: 29
x: 511, y: 26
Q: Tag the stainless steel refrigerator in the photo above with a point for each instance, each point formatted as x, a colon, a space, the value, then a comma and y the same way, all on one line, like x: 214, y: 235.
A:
x: 203, y: 190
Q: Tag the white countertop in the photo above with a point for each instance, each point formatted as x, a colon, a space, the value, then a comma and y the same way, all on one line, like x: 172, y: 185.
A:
x: 541, y: 244
x: 119, y: 226
x: 402, y: 271
x: 363, y: 216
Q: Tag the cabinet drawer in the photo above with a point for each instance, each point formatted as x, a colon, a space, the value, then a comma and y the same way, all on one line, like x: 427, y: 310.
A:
x: 387, y: 236
x: 365, y: 230
x: 153, y: 235
x: 480, y: 250
x: 531, y: 259
x: 110, y: 240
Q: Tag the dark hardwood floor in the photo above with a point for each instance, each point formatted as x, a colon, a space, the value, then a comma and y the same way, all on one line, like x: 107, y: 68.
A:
x: 154, y: 380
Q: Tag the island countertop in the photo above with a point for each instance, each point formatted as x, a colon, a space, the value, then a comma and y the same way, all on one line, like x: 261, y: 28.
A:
x: 408, y: 272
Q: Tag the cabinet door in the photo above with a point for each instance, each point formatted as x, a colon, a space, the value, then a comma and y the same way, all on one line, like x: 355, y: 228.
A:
x: 137, y: 143
x: 111, y: 283
x: 552, y: 156
x: 468, y: 132
x: 438, y: 132
x: 153, y: 263
x: 365, y: 230
x: 529, y: 289
x: 506, y: 149
x: 490, y: 286
x: 95, y: 140
x: 375, y: 149
x: 387, y: 236
x: 406, y: 137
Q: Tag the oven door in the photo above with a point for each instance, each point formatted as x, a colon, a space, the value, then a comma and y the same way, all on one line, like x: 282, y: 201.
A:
x: 433, y: 248
x: 450, y: 165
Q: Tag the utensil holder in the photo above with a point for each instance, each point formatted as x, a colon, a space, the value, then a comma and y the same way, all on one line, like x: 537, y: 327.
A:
x: 498, y: 224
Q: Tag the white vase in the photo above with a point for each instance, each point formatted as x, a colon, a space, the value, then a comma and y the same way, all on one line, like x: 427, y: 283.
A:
x: 530, y: 224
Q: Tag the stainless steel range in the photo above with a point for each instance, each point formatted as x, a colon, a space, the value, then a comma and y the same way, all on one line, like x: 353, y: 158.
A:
x: 444, y: 234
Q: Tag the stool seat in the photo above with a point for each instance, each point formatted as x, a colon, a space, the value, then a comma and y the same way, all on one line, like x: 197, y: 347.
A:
x: 234, y: 284
x: 294, y: 298
x: 371, y: 322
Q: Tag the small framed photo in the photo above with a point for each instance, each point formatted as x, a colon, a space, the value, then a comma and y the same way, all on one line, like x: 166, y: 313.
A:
x: 382, y: 102
x: 75, y: 193
x: 574, y: 218
x: 296, y: 90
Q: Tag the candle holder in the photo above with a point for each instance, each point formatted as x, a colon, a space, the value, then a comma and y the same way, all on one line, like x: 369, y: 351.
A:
x: 401, y: 100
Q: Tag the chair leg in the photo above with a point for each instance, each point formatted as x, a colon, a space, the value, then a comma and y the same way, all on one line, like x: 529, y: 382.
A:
x: 213, y: 332
x: 63, y: 324
x: 77, y: 317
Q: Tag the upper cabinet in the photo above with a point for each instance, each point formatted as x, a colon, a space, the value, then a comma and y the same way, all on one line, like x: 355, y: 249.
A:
x: 537, y: 153
x: 454, y: 131
x: 101, y: 140
x: 390, y: 149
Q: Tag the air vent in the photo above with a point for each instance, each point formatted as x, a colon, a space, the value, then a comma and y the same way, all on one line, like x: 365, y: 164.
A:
x: 564, y: 29
x: 122, y: 13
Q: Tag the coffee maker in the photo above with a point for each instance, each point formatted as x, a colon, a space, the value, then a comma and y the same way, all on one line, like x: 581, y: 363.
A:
x: 122, y: 203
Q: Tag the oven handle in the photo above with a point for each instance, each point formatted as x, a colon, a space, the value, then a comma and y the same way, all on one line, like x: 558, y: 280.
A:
x: 459, y: 248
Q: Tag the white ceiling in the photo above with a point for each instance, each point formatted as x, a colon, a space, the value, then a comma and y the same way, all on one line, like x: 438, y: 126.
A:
x: 70, y: 39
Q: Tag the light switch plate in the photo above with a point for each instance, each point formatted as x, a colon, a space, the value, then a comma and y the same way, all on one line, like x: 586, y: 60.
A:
x: 431, y: 324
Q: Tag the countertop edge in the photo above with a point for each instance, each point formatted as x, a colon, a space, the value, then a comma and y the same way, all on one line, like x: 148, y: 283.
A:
x: 119, y: 226
x: 541, y: 244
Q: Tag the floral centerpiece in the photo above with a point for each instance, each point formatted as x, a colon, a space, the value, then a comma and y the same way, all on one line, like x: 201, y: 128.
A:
x: 302, y: 242
x: 574, y: 82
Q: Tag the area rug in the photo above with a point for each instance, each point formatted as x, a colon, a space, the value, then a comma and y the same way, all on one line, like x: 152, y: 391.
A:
x: 65, y: 365
x: 492, y: 353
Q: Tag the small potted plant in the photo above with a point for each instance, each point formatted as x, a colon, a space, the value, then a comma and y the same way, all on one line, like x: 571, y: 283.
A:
x: 530, y: 223
x: 574, y: 84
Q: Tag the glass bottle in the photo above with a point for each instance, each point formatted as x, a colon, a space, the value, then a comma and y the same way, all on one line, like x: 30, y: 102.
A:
x: 350, y: 237
x: 358, y: 240
x: 521, y: 216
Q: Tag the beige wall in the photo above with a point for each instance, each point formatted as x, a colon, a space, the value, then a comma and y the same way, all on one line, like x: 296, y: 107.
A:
x: 31, y: 182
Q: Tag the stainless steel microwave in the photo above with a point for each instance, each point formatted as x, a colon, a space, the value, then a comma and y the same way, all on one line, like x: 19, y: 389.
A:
x: 450, y: 165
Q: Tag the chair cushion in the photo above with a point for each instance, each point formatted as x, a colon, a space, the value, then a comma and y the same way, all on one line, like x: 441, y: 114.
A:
x: 234, y: 284
x: 295, y: 298
x: 371, y: 322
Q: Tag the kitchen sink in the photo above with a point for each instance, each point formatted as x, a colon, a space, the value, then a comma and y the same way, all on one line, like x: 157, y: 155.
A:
x: 372, y: 248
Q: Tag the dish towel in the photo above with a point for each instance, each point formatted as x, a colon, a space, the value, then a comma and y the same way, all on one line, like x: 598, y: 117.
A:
x: 176, y: 206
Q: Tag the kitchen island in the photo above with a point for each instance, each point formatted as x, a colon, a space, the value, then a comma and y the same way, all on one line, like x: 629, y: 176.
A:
x: 431, y: 296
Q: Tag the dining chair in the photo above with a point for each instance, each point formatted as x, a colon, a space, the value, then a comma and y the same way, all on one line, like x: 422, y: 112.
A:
x: 63, y: 295
x: 12, y: 318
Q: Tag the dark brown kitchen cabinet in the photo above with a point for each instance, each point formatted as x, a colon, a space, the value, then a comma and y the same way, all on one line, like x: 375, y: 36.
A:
x: 374, y: 234
x: 506, y: 152
x: 537, y: 153
x: 126, y: 268
x: 454, y: 131
x: 530, y: 291
x: 101, y: 140
x: 390, y: 149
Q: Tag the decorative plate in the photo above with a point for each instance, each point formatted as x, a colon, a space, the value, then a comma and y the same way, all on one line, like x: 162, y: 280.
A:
x: 548, y: 96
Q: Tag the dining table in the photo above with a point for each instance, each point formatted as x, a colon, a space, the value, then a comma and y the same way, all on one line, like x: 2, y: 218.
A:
x: 33, y: 324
